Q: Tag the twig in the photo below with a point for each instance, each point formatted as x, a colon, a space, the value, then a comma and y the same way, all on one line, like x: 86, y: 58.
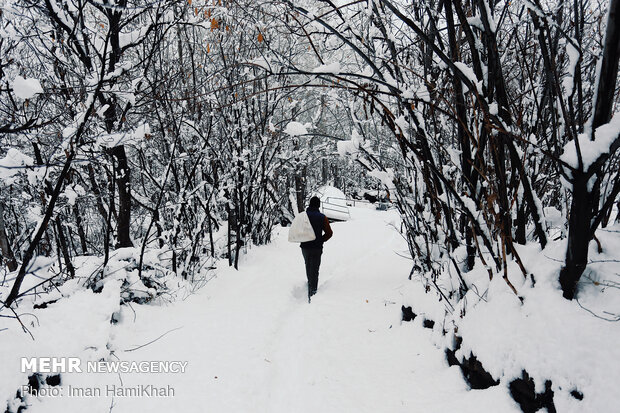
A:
x: 553, y: 259
x: 20, y: 322
x: 35, y: 317
x: 134, y: 311
x: 617, y: 317
x: 152, y: 341
x: 505, y: 276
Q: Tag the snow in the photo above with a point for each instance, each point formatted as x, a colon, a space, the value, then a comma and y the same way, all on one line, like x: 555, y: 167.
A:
x: 403, y: 124
x: 573, y: 59
x: 475, y: 22
x: 333, y: 68
x: 261, y: 62
x: 469, y: 73
x: 83, y: 321
x: 13, y: 162
x: 39, y: 265
x: 142, y: 131
x: 550, y: 337
x: 254, y: 344
x: 419, y: 92
x: 295, y: 129
x: 124, y: 138
x: 26, y: 88
x: 349, y: 147
x: 386, y: 177
x: 605, y: 135
x: 71, y: 195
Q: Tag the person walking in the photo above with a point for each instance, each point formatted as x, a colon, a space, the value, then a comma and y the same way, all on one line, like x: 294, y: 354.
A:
x: 312, y: 250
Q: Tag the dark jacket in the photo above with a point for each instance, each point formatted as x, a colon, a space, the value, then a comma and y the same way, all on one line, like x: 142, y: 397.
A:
x: 320, y: 224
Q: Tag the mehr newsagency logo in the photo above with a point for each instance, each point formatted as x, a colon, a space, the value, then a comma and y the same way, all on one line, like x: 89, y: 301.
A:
x: 57, y: 365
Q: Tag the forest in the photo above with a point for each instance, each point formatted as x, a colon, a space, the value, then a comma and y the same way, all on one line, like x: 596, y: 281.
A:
x: 157, y: 142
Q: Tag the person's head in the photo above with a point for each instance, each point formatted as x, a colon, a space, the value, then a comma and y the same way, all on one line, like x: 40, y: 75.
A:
x: 315, y: 202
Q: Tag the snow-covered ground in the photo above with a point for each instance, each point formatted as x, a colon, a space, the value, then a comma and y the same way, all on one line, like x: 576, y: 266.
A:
x: 254, y: 344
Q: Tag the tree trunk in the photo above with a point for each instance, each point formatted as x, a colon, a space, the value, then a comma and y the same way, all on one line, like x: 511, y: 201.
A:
x: 578, y: 238
x: 95, y: 188
x: 229, y: 234
x: 300, y: 189
x: 606, y: 87
x: 80, y: 228
x: 585, y: 203
x: 5, y: 245
x: 463, y: 139
x: 521, y: 221
x: 122, y: 173
x: 62, y: 244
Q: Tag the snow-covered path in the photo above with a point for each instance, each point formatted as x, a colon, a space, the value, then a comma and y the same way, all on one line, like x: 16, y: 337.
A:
x: 254, y: 344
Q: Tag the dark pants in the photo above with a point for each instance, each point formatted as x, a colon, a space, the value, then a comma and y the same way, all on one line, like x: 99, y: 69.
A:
x: 312, y: 257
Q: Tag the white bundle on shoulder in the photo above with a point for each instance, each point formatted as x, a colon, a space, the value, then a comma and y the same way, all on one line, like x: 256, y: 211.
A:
x: 301, y: 229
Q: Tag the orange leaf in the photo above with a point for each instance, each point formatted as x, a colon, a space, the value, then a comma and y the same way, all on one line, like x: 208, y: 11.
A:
x: 260, y: 37
x: 208, y: 48
x: 215, y: 24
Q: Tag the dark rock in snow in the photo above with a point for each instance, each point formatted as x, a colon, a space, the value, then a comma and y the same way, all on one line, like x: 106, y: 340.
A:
x: 476, y: 375
x: 428, y: 323
x: 473, y: 372
x: 44, y: 305
x: 451, y: 354
x: 523, y: 392
x: 53, y: 380
x: 408, y: 314
x: 35, y: 381
x: 577, y: 394
x: 451, y: 357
